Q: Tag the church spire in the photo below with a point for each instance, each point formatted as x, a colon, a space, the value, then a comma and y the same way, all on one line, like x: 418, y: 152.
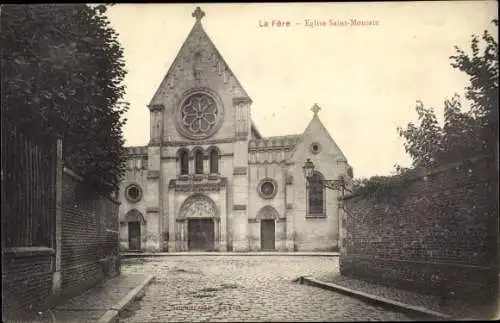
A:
x: 198, y: 14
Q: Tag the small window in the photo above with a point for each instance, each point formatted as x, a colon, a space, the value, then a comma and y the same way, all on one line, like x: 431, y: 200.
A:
x: 315, y: 147
x: 267, y: 188
x: 133, y: 193
x: 198, y: 162
x: 184, y: 162
x: 214, y: 162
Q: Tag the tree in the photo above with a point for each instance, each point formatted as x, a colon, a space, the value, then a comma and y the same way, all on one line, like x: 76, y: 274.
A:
x: 62, y: 73
x: 483, y: 88
x: 464, y: 134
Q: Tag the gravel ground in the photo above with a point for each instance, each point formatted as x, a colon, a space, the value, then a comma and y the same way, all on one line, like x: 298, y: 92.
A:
x: 243, y: 289
x: 457, y: 309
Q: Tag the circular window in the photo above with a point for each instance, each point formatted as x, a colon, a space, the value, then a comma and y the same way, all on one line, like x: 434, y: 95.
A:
x: 267, y: 188
x: 315, y: 147
x: 199, y: 115
x: 133, y: 193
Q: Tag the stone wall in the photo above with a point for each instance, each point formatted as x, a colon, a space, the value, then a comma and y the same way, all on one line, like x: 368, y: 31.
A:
x: 437, y: 233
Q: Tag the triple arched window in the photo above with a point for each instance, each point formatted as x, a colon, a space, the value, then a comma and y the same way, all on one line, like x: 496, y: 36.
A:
x: 198, y: 157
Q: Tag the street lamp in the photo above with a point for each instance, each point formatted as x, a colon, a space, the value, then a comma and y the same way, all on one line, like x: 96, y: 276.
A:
x: 332, y: 184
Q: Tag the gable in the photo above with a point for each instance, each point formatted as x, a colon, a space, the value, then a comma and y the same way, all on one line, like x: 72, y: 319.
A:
x: 187, y: 63
x: 316, y: 132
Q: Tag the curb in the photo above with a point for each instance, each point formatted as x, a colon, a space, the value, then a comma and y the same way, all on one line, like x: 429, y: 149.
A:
x: 190, y: 254
x: 111, y: 315
x: 378, y: 300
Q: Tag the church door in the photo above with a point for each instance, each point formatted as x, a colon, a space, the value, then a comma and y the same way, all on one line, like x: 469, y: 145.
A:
x: 134, y: 235
x: 201, y: 235
x: 267, y: 234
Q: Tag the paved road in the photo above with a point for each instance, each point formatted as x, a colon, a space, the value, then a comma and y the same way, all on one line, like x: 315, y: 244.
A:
x: 243, y: 288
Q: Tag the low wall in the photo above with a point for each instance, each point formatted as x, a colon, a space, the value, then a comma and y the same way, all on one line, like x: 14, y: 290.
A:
x: 436, y: 234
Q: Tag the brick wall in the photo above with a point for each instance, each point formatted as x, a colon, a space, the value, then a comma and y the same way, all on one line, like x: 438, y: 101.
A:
x: 89, y: 246
x: 89, y: 252
x: 26, y: 279
x: 437, y: 234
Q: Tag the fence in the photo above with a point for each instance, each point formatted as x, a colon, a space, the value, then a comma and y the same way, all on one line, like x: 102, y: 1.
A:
x: 59, y: 235
x: 29, y: 189
x: 29, y: 169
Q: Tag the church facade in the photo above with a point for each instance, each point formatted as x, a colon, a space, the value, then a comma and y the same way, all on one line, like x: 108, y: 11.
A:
x: 208, y: 179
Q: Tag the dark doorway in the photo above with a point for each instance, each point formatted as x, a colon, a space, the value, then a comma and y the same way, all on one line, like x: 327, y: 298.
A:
x: 267, y: 234
x: 201, y: 234
x: 134, y: 235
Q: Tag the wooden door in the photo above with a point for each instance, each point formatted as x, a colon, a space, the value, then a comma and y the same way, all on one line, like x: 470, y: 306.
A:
x: 134, y: 235
x: 267, y: 234
x: 201, y: 235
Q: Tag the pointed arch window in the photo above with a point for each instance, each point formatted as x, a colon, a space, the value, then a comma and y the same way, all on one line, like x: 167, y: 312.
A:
x: 198, y: 162
x: 184, y: 162
x: 316, y: 196
x: 214, y: 161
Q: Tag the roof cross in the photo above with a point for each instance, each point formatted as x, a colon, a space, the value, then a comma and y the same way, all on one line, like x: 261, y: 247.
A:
x: 315, y: 108
x: 198, y: 14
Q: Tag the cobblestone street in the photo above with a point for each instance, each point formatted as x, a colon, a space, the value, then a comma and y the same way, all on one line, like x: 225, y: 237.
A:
x: 243, y: 288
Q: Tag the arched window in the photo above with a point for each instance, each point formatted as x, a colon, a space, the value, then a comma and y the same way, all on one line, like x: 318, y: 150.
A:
x: 316, y: 196
x: 198, y: 162
x: 214, y: 162
x: 184, y: 162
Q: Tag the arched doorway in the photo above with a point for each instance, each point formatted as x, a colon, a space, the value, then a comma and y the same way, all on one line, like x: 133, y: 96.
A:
x: 134, y: 221
x: 267, y: 216
x: 201, y: 215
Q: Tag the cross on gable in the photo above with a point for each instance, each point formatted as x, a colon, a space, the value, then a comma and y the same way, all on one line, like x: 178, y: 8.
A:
x: 315, y: 108
x: 198, y: 14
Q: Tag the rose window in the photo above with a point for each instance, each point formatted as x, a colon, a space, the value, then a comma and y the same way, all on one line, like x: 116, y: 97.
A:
x: 199, y: 114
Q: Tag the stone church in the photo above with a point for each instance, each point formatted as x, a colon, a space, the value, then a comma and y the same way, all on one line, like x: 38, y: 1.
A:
x: 209, y: 180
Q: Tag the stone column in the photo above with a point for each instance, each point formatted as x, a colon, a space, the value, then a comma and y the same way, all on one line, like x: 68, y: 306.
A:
x: 154, y: 196
x: 290, y: 213
x: 152, y: 199
x: 184, y: 235
x: 171, y: 220
x: 223, y: 221
x: 239, y: 209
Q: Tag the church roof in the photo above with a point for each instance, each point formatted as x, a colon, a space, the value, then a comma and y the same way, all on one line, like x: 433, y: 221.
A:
x: 275, y: 141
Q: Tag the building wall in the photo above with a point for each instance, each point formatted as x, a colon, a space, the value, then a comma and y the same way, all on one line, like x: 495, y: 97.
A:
x: 435, y: 234
x: 136, y: 173
x: 316, y: 233
x: 242, y: 198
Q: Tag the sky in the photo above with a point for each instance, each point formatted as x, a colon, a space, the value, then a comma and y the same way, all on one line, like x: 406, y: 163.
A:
x: 366, y: 78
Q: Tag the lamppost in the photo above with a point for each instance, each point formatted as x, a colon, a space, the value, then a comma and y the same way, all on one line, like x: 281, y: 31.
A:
x: 332, y: 184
